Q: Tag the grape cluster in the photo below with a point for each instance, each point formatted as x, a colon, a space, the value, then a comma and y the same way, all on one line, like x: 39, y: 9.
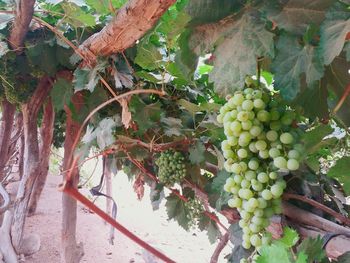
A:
x: 262, y: 140
x: 171, y: 167
x: 195, y: 209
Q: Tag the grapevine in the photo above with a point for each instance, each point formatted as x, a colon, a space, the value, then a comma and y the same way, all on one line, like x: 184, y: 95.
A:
x: 171, y: 167
x: 262, y: 143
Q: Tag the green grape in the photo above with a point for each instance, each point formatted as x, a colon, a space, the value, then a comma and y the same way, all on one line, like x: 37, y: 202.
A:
x: 237, y: 99
x: 255, y: 131
x: 263, y: 177
x: 280, y: 162
x: 276, y: 190
x: 293, y: 154
x: 260, y: 145
x: 286, y: 138
x: 274, y: 152
x: 266, y: 194
x: 247, y: 105
x: 263, y: 116
x: 194, y: 210
x: 171, y: 167
x: 246, y: 125
x: 242, y: 153
x: 235, y: 126
x: 272, y: 135
x: 260, y: 141
x: 259, y: 104
x: 264, y: 154
x: 292, y: 164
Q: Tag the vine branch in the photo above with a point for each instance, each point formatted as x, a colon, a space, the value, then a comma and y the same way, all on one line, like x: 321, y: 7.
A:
x: 341, y: 218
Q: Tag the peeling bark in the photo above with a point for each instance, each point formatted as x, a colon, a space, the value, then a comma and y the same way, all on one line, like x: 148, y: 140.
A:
x: 23, y: 17
x: 8, y: 112
x: 132, y: 21
x: 46, y: 132
x: 31, y: 159
x: 71, y: 251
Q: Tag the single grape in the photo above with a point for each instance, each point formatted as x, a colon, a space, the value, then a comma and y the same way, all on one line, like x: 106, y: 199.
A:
x: 286, y: 138
x: 292, y: 164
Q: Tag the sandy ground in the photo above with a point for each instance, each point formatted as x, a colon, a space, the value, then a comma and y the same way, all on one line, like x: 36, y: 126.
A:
x: 137, y: 216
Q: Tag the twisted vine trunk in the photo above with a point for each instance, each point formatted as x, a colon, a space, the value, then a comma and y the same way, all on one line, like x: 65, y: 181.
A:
x: 46, y: 136
x: 31, y: 159
x: 71, y: 251
x: 8, y: 113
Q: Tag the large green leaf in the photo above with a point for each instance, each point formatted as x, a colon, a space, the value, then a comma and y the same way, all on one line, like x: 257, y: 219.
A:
x: 197, y: 153
x: 145, y: 115
x: 276, y: 253
x: 341, y: 171
x: 290, y: 237
x: 334, y: 31
x: 209, y: 11
x: 296, y: 15
x: 312, y: 247
x: 61, y: 93
x: 76, y: 16
x: 205, y: 223
x: 177, y: 210
x: 313, y: 100
x: 235, y: 57
x: 87, y: 78
x: 313, y: 138
x: 148, y: 56
x: 291, y: 62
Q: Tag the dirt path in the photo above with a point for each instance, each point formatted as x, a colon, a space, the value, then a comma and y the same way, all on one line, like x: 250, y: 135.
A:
x: 151, y: 226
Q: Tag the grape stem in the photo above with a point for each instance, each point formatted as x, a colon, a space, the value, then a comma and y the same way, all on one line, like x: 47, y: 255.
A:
x: 223, y: 242
x: 340, y: 217
x: 342, y: 99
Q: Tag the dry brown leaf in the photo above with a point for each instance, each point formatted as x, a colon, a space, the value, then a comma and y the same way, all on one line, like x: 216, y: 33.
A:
x: 139, y: 186
x: 126, y: 114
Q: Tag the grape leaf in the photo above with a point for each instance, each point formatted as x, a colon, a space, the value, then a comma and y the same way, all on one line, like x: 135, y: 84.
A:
x: 312, y: 247
x: 296, y: 15
x: 301, y: 258
x: 43, y: 56
x: 61, y: 93
x: 219, y: 180
x: 185, y: 58
x: 156, y: 195
x: 314, y: 101
x: 209, y: 11
x: 290, y: 237
x: 313, y: 138
x: 177, y: 210
x: 172, y: 126
x: 235, y: 57
x: 103, y: 7
x: 291, y: 62
x: 148, y: 55
x: 341, y: 171
x: 205, y: 223
x: 145, y: 115
x: 86, y: 78
x: 334, y: 31
x: 197, y: 153
x: 276, y: 253
x: 76, y: 16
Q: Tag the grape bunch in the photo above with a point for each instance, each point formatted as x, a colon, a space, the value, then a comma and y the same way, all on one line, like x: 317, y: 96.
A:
x: 171, y: 167
x: 262, y: 140
x: 195, y: 209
